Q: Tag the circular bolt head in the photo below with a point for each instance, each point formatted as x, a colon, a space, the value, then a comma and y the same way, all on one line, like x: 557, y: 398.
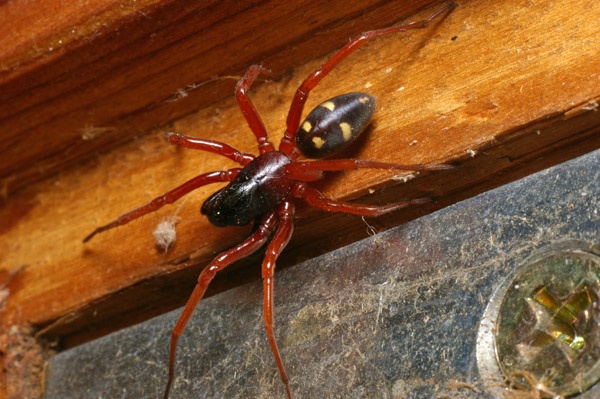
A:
x: 548, y: 325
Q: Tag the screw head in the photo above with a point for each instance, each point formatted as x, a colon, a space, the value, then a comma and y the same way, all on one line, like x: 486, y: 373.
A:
x: 547, y: 331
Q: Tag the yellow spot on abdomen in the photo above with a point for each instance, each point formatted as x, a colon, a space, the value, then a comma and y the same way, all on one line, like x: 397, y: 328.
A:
x: 306, y: 126
x: 346, y: 131
x: 329, y: 105
x: 318, y: 142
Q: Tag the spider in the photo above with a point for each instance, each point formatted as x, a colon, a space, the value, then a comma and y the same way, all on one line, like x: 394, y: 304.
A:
x: 263, y: 190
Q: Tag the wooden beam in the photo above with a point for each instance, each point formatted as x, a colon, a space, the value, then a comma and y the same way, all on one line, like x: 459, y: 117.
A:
x: 502, y: 89
x: 83, y: 80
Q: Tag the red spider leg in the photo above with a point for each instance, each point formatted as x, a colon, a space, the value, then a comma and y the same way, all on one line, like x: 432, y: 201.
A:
x: 311, y: 170
x: 252, y: 117
x: 295, y: 113
x: 210, y: 146
x: 314, y: 198
x: 280, y: 240
x: 168, y: 198
x: 246, y: 248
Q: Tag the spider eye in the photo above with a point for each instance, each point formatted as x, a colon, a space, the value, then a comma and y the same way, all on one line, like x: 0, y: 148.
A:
x: 335, y: 124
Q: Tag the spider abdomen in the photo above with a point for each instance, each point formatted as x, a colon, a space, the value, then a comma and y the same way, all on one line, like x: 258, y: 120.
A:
x: 257, y: 189
x: 335, y: 124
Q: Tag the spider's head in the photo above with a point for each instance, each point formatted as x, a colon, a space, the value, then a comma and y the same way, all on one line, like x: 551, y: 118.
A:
x: 223, y: 209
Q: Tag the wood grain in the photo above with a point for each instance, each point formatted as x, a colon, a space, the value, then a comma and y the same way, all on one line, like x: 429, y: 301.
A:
x: 501, y: 89
x: 82, y: 80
